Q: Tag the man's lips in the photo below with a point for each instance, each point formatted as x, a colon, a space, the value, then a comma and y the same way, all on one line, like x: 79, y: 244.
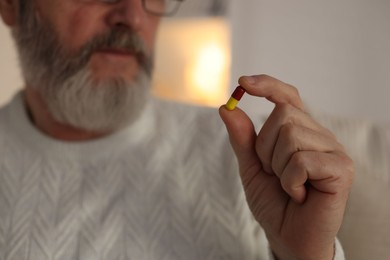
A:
x: 121, y: 56
x: 117, y: 52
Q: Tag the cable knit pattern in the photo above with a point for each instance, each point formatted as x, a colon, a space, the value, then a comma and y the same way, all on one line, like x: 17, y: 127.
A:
x: 165, y: 188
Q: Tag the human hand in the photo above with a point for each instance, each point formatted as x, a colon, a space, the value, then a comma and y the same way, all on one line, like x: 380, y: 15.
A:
x: 295, y: 174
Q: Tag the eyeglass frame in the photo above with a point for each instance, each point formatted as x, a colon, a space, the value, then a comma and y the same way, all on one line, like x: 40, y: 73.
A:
x: 163, y: 14
x: 144, y: 6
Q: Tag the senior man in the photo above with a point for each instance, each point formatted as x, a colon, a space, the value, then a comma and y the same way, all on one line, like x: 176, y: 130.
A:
x: 92, y: 167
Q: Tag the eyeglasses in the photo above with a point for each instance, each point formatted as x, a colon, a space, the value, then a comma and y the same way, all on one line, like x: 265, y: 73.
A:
x: 156, y: 7
x: 161, y: 7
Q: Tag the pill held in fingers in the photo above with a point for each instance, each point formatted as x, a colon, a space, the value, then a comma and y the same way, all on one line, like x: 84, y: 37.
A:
x: 235, y: 98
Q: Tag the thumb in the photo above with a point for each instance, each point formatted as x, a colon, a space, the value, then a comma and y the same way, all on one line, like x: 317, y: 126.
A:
x: 260, y: 188
x: 242, y: 137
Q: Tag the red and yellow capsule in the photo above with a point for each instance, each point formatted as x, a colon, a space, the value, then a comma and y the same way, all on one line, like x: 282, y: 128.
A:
x: 235, y: 98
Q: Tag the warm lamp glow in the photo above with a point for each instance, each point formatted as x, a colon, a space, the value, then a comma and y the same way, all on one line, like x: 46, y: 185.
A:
x: 193, y: 60
x: 208, y: 71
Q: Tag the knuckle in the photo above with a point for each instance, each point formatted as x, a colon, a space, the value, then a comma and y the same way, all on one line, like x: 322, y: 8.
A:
x: 294, y: 90
x: 285, y: 111
x: 264, y: 77
x: 298, y: 161
x: 288, y: 137
x: 259, y: 78
x: 292, y: 184
x: 289, y: 131
x: 329, y: 133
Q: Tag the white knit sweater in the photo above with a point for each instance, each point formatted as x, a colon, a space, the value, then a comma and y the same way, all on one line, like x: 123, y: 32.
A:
x: 164, y: 188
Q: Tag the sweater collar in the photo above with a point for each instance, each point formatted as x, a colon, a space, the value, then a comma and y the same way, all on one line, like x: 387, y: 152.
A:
x: 130, y: 136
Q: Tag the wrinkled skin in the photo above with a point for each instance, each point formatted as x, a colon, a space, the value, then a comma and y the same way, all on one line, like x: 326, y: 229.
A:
x: 295, y: 174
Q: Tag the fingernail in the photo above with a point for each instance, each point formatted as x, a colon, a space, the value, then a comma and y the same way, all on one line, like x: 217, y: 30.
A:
x: 249, y: 79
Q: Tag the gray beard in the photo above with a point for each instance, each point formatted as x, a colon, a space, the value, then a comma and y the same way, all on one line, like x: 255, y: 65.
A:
x: 102, y: 106
x: 65, y: 83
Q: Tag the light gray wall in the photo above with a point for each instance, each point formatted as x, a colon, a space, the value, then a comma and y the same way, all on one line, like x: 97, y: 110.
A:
x: 10, y: 80
x: 336, y: 52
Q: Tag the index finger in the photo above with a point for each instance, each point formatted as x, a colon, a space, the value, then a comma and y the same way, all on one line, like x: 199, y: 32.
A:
x: 272, y: 89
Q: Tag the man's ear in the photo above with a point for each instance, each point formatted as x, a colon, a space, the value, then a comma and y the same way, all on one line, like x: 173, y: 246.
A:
x: 8, y: 11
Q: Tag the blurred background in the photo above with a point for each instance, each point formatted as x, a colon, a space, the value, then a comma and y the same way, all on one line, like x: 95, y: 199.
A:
x: 337, y: 53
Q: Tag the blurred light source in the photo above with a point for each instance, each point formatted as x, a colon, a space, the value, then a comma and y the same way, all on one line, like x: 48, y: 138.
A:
x: 193, y: 60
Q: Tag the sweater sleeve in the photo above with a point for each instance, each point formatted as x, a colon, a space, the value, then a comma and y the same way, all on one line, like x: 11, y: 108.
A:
x: 338, y: 252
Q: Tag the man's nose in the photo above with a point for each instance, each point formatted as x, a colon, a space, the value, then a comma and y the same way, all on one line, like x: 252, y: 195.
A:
x: 128, y: 14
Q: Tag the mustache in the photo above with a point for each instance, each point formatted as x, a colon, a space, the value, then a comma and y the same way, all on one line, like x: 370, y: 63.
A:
x: 119, y: 39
